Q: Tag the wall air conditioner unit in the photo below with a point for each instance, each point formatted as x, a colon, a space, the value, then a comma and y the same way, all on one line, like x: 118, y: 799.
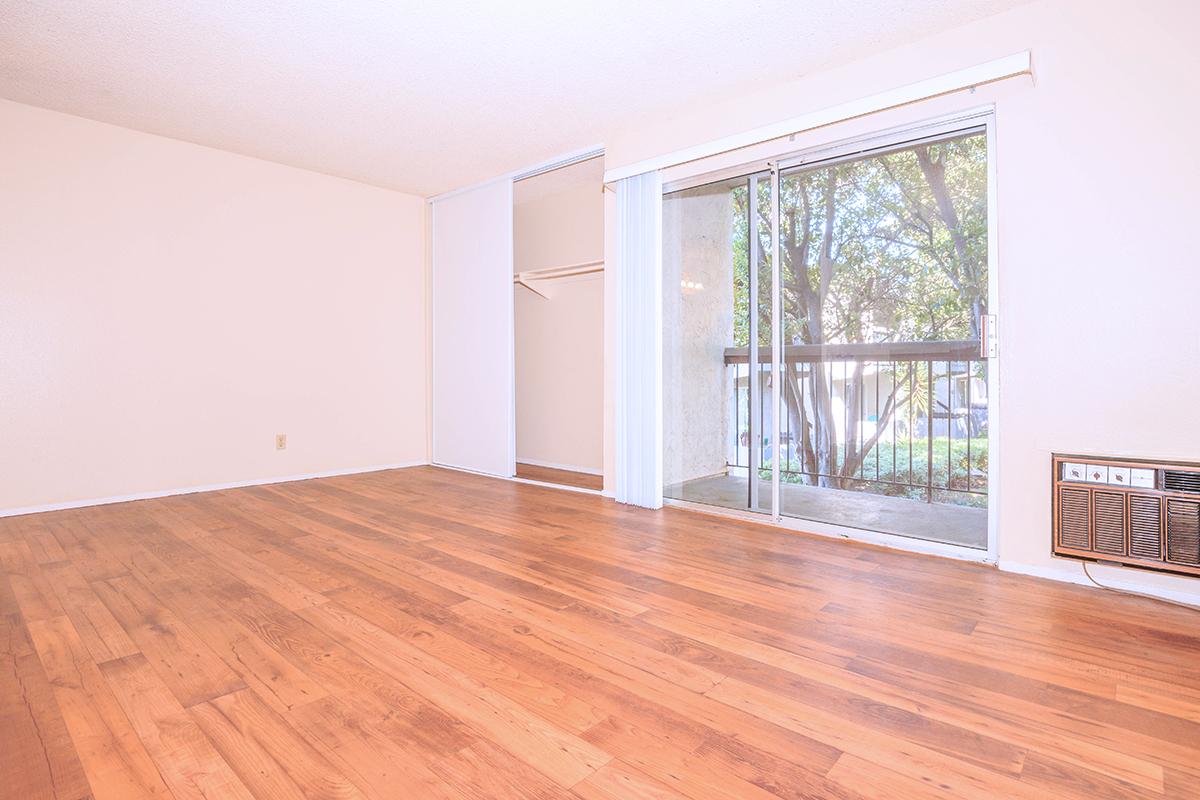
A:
x: 1142, y: 514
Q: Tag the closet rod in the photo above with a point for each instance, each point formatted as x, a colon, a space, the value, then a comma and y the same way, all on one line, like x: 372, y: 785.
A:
x: 552, y: 273
x: 567, y: 269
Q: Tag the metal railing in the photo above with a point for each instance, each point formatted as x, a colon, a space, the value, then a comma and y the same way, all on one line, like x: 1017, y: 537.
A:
x: 870, y: 417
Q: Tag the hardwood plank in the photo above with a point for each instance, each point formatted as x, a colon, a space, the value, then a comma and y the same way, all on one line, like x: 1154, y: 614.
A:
x: 266, y: 752
x: 545, y: 698
x: 617, y: 781
x: 426, y: 633
x: 275, y: 679
x: 1061, y: 779
x: 343, y: 674
x: 185, y: 757
x: 1182, y: 783
x: 38, y: 760
x: 27, y: 581
x: 484, y: 769
x: 554, y: 752
x: 192, y: 671
x: 685, y: 772
x: 897, y: 753
x: 871, y: 780
x: 346, y: 729
x: 113, y: 757
x: 255, y: 574
x: 672, y: 714
x: 563, y: 477
x: 73, y: 531
x: 100, y: 631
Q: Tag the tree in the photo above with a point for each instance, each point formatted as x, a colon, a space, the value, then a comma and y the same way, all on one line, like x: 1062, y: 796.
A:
x: 886, y: 248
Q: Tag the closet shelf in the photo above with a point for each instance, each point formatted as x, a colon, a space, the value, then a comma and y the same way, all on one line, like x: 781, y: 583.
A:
x: 553, y: 273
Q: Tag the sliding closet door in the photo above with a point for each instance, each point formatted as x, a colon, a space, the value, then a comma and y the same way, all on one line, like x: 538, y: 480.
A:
x: 473, y: 330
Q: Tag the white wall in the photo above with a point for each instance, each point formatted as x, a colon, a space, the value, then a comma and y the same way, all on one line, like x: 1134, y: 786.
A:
x: 1097, y: 184
x: 166, y: 309
x: 562, y: 226
x: 560, y: 340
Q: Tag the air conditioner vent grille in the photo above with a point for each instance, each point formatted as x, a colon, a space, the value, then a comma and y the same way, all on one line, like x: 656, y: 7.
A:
x: 1145, y: 527
x: 1108, y: 513
x: 1074, y: 519
x: 1175, y: 480
x: 1135, y: 513
x: 1183, y: 532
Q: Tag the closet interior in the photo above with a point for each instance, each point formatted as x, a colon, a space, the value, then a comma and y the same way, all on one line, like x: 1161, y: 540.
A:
x: 558, y: 309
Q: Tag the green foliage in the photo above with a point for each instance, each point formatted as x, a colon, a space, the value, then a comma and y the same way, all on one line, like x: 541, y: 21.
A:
x: 888, y: 248
x: 881, y: 465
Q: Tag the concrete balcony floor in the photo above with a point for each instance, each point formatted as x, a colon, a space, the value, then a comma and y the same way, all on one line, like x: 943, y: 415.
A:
x: 931, y: 522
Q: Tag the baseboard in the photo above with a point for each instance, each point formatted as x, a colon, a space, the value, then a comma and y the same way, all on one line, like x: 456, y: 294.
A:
x: 1054, y: 573
x: 214, y: 487
x: 567, y: 467
x: 1072, y: 572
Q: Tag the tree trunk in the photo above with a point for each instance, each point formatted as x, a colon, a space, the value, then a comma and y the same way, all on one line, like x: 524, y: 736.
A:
x: 935, y: 176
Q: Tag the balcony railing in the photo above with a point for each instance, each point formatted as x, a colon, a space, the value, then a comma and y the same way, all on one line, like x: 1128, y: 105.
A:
x: 900, y: 418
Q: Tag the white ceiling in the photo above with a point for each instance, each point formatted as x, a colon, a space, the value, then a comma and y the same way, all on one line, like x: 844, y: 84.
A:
x: 430, y: 95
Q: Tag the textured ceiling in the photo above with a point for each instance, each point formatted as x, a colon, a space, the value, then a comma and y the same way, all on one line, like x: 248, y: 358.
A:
x: 425, y: 96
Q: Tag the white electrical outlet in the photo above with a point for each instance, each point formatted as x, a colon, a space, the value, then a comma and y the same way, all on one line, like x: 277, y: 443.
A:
x: 281, y: 441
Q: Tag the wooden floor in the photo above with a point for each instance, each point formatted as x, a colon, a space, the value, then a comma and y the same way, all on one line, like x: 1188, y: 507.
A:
x: 563, y: 477
x: 431, y: 634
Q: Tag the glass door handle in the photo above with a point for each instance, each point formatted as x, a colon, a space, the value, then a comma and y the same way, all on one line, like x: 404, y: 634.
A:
x: 988, y: 341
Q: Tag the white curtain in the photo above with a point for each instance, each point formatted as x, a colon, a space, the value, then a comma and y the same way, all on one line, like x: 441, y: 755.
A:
x: 639, y: 358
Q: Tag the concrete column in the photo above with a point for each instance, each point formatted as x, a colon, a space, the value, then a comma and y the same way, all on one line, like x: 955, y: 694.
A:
x: 697, y: 327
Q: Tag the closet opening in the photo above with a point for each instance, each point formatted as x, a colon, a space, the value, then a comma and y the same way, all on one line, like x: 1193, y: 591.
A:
x: 558, y: 325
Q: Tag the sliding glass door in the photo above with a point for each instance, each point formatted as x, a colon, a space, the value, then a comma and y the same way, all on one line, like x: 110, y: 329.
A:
x: 716, y: 303
x: 881, y: 289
